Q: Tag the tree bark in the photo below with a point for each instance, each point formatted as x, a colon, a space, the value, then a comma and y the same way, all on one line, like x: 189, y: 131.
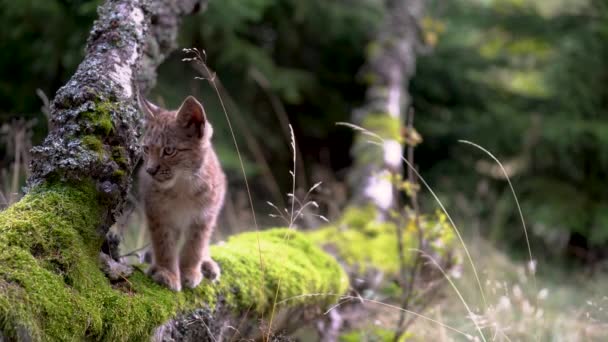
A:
x: 95, y: 124
x: 391, y: 63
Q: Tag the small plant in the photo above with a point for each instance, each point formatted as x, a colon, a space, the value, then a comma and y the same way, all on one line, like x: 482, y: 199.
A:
x: 16, y: 137
x: 298, y: 207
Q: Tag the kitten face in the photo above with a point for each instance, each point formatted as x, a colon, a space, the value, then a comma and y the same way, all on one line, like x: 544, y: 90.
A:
x: 174, y: 142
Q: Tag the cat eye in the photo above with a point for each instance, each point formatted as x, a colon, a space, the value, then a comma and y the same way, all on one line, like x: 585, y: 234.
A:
x: 169, y: 151
x: 146, y: 149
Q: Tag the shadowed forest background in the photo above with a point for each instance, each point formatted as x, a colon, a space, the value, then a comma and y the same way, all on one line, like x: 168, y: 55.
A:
x: 526, y: 80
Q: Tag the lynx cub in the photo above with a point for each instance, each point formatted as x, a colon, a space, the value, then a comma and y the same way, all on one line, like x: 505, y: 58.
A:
x: 182, y: 188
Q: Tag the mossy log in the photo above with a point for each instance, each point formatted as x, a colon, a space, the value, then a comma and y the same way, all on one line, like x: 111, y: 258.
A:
x: 51, y: 286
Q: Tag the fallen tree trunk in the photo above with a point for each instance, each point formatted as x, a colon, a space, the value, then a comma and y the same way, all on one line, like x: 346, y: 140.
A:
x: 51, y: 287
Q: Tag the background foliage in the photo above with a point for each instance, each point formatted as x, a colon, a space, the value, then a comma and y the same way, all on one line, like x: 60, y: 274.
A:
x: 524, y: 79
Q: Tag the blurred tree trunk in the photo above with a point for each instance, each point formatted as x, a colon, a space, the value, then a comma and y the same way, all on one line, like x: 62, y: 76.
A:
x: 391, y: 63
x: 378, y: 150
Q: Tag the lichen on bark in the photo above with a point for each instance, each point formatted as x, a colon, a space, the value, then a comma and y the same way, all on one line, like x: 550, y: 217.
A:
x: 95, y: 125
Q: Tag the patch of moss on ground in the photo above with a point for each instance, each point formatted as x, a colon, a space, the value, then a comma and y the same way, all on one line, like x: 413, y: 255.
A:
x: 362, y: 241
x: 51, y: 287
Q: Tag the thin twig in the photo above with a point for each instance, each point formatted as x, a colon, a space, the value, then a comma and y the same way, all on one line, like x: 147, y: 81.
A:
x: 135, y: 251
x: 407, y: 294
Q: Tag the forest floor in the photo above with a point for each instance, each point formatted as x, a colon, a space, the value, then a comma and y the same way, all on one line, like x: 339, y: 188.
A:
x: 558, y: 304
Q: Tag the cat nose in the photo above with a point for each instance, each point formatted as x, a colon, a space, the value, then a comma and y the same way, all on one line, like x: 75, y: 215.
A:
x: 152, y: 170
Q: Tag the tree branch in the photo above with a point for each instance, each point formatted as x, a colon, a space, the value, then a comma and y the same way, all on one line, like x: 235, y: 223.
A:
x: 95, y: 123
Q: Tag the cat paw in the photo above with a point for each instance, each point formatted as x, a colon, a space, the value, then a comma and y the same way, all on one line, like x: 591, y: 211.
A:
x: 191, y: 278
x: 111, y: 244
x: 211, y: 270
x: 165, y: 277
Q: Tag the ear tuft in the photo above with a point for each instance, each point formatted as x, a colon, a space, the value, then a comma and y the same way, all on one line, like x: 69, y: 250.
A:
x: 191, y: 115
x: 149, y: 109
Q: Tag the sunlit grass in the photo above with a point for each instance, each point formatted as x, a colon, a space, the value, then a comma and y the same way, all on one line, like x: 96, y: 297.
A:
x: 571, y: 305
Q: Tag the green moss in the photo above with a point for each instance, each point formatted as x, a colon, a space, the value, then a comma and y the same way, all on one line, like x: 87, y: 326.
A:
x: 101, y: 118
x: 45, y: 244
x: 51, y: 287
x: 384, y: 125
x: 300, y: 267
x: 118, y: 174
x: 373, y: 49
x: 119, y: 155
x: 363, y: 242
x: 93, y: 143
x: 104, y: 116
x: 372, y: 334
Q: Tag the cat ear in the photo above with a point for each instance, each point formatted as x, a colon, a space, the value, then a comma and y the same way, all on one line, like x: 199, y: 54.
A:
x: 191, y: 115
x: 149, y: 109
